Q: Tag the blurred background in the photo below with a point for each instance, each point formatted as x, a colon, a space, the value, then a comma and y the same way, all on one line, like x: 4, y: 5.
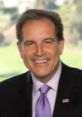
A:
x: 71, y: 14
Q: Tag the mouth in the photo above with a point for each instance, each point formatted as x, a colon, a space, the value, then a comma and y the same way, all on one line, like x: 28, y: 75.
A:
x: 40, y: 61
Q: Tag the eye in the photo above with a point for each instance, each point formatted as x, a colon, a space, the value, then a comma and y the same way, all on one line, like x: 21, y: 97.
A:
x: 28, y: 43
x: 49, y: 40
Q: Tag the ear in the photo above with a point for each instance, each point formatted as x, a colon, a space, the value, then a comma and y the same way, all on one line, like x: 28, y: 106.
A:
x: 19, y: 46
x: 61, y: 46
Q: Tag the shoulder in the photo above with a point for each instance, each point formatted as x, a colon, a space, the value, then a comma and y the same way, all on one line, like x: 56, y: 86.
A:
x: 72, y: 74
x: 14, y: 89
x: 14, y: 83
x: 68, y: 69
x: 13, y: 79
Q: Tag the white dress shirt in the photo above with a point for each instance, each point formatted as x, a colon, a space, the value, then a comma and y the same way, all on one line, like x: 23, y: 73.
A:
x: 51, y: 94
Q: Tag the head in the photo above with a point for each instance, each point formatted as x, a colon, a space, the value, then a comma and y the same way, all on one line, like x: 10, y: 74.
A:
x: 40, y: 42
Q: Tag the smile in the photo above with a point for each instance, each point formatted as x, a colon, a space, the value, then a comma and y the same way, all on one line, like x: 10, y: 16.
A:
x: 40, y: 61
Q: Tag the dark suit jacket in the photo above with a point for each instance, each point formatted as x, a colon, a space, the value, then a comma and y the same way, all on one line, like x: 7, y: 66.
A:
x: 16, y: 95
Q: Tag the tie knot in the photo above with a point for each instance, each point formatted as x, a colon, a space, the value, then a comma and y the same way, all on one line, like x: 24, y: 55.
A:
x: 44, y: 89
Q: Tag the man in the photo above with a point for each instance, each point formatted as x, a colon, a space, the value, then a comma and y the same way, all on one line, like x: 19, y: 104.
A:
x: 40, y: 43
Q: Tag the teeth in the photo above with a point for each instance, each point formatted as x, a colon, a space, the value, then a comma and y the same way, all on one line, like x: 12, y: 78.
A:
x: 40, y: 61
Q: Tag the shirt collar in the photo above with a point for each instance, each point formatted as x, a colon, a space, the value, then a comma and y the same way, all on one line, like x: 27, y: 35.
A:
x: 53, y: 83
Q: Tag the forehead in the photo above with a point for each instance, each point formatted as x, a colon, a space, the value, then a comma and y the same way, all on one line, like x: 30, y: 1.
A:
x: 38, y: 27
x: 38, y: 20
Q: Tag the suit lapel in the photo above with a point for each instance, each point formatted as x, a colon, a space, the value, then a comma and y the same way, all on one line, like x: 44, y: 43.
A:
x: 61, y: 99
x: 26, y: 95
x: 29, y: 95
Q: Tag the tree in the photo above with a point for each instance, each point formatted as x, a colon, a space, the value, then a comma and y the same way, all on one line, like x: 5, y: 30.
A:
x: 71, y: 12
x: 47, y: 4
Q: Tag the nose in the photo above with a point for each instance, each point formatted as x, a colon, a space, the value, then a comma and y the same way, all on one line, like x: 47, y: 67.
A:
x: 39, y: 50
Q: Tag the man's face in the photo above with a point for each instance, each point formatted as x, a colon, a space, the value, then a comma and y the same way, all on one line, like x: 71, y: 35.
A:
x: 40, y: 49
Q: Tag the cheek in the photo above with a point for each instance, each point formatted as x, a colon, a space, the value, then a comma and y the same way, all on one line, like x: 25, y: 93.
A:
x: 55, y: 52
x: 25, y: 55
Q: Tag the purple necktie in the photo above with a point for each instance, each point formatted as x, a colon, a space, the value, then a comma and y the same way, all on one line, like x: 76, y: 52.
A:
x: 42, y: 105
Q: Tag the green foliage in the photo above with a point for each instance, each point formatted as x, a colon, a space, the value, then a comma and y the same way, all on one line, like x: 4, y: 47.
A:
x: 71, y: 12
x: 46, y: 4
x: 4, y: 21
